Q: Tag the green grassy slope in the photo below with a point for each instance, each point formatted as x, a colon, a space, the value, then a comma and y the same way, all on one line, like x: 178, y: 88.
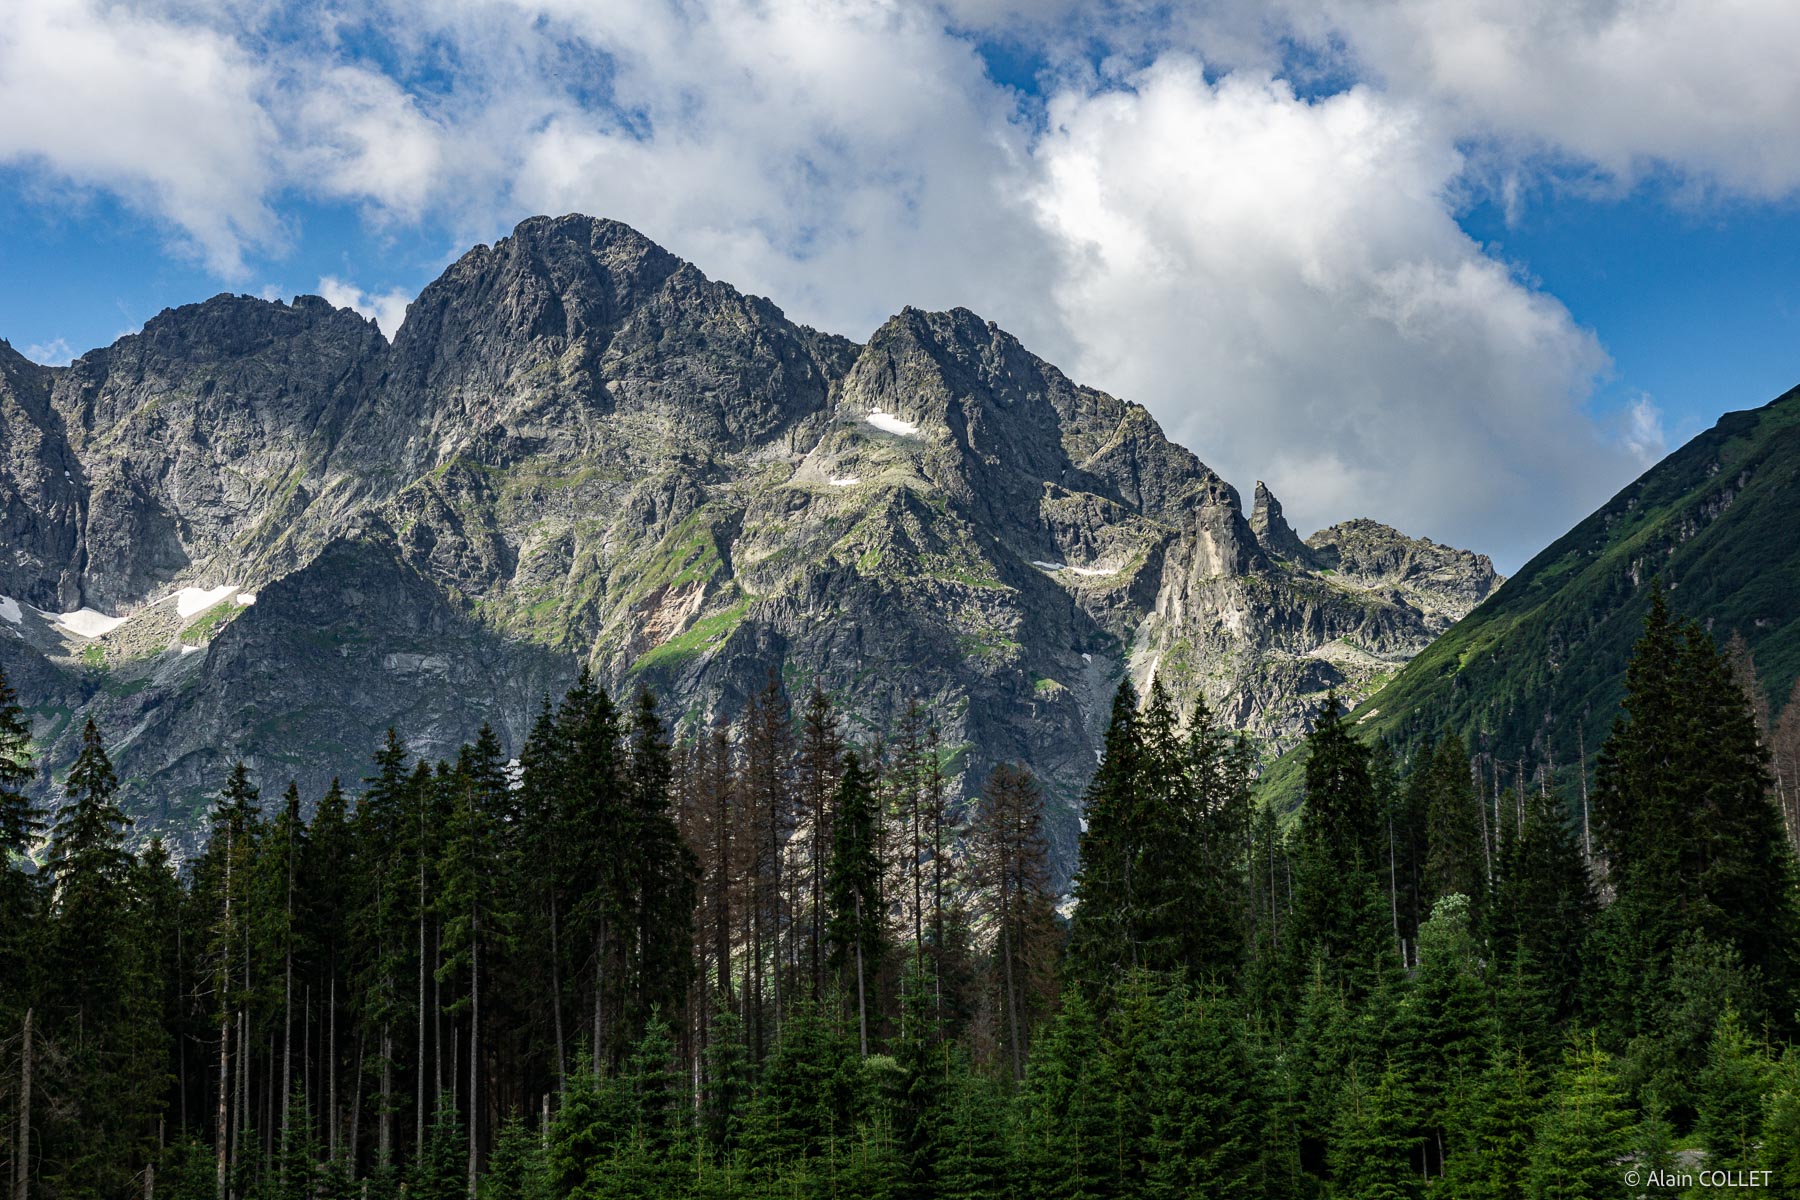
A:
x: 1538, y: 669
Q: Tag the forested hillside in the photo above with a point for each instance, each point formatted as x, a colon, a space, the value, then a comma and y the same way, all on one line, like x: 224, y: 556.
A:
x: 1537, y: 670
x: 775, y: 961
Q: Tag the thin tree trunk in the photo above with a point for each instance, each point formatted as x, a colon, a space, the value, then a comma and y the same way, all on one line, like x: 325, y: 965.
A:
x: 1487, y: 849
x: 222, y: 1149
x: 287, y: 1004
x: 437, y: 1010
x: 331, y: 1095
x: 862, y: 999
x: 22, y: 1168
x: 356, y: 1105
x: 243, y: 1081
x: 384, y: 1132
x: 562, y: 1058
x: 474, y: 1042
x: 600, y: 988
x: 269, y: 1104
x: 419, y: 1061
x: 1587, y: 835
x: 1394, y: 891
x: 1012, y: 1001
x: 287, y: 1051
x: 937, y: 877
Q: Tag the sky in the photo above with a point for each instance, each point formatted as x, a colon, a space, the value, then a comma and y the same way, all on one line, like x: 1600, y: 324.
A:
x: 1464, y: 266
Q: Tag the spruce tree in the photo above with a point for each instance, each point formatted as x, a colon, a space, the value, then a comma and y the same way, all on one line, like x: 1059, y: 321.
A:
x: 20, y: 824
x: 1445, y: 1023
x: 853, y: 893
x: 1455, y: 858
x: 97, y: 973
x: 1491, y: 1129
x: 1693, y: 845
x: 382, y: 924
x: 1011, y: 871
x: 1730, y: 1097
x: 1582, y: 1133
x: 1069, y: 1151
x: 1105, y: 934
x: 1781, y: 1125
x: 1375, y: 1141
x: 1544, y: 902
x: 1341, y: 910
x: 516, y: 1170
x: 1209, y: 1114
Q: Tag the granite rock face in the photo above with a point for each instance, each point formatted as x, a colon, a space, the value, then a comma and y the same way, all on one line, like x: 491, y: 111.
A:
x: 288, y: 534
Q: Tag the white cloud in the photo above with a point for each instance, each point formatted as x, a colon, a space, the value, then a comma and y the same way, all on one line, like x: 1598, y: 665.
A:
x: 358, y: 135
x: 1703, y: 88
x: 1282, y: 282
x: 54, y: 353
x: 166, y: 116
x: 1643, y: 434
x: 386, y: 309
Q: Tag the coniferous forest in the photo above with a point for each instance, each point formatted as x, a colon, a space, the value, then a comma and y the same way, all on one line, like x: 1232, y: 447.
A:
x: 772, y: 960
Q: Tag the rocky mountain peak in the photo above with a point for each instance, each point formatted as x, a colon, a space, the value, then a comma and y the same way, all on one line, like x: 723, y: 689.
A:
x: 1441, y: 580
x: 1271, y: 529
x: 580, y: 450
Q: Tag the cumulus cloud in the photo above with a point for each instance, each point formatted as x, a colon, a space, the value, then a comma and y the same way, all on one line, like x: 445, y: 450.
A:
x: 386, y: 309
x: 358, y: 134
x: 165, y: 115
x: 1281, y: 280
x: 1701, y: 88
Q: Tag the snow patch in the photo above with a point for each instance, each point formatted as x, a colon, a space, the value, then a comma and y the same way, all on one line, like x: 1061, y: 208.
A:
x: 246, y: 598
x: 1047, y: 566
x: 187, y: 650
x: 845, y: 480
x: 85, y: 622
x: 9, y: 610
x: 193, y: 601
x: 1095, y: 570
x: 1087, y: 658
x: 889, y: 423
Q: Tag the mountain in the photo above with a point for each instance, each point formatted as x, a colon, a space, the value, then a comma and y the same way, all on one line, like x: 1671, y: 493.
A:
x: 1536, y: 671
x: 260, y: 530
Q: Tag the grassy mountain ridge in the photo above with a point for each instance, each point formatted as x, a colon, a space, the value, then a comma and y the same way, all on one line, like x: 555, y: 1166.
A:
x: 1537, y: 670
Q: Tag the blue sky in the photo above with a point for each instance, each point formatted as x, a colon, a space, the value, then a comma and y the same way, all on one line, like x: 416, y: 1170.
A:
x: 1465, y: 267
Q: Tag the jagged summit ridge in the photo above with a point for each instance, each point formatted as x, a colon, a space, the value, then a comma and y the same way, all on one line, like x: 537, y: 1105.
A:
x: 579, y: 449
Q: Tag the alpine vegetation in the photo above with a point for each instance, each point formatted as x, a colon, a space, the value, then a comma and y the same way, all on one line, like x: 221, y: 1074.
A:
x: 780, y: 958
